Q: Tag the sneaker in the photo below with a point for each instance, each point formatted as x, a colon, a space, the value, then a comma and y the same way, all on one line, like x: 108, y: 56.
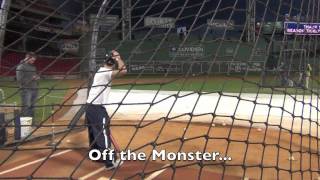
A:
x: 115, y: 164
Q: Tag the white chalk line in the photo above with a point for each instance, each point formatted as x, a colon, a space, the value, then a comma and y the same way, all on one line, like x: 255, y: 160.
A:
x: 152, y: 176
x: 92, y: 173
x: 105, y: 178
x: 157, y: 173
x: 33, y: 162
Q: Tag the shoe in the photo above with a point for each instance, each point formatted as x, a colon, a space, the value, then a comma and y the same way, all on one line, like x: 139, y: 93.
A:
x: 115, y: 164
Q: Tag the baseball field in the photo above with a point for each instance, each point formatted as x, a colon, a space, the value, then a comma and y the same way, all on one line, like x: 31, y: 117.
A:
x: 176, y: 115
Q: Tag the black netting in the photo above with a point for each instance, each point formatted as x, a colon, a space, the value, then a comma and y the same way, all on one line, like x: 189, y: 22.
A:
x: 227, y: 76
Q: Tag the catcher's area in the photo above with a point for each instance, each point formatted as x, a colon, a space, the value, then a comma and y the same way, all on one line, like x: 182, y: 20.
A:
x: 255, y: 153
x: 262, y: 146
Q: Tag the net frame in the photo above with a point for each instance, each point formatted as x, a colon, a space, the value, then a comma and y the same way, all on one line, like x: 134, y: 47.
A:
x: 166, y: 118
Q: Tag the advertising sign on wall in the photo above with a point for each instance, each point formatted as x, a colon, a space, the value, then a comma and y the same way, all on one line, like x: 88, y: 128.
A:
x: 105, y: 22
x: 220, y: 23
x: 301, y: 28
x: 187, y: 51
x: 70, y: 46
x: 159, y: 22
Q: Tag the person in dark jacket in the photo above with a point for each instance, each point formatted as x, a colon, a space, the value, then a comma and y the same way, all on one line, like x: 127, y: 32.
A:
x: 27, y: 77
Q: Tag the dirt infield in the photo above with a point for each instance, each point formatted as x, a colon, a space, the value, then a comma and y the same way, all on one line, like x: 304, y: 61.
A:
x: 255, y: 154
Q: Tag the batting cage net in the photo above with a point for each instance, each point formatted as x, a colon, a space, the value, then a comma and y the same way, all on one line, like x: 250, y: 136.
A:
x: 215, y: 89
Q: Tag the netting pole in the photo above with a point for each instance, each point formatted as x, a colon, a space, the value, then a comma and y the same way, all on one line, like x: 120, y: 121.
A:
x: 251, y: 18
x: 126, y: 19
x: 92, y: 60
x: 93, y: 55
x: 5, y: 5
x: 52, y: 142
x: 94, y: 40
x: 3, y: 134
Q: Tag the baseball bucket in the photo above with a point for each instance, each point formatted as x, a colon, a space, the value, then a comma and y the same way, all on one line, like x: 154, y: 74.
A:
x: 25, y: 123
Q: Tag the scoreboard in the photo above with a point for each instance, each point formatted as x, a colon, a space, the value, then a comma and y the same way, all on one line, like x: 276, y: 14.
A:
x: 301, y: 28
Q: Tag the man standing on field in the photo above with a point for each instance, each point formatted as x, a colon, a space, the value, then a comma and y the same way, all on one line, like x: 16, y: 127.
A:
x: 27, y: 78
x: 96, y: 112
x: 307, y: 75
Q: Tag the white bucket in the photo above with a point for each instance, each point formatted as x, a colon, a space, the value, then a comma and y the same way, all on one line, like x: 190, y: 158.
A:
x: 25, y: 123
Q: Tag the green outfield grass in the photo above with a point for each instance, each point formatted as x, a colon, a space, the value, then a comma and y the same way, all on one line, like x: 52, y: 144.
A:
x: 231, y: 84
x: 50, y: 97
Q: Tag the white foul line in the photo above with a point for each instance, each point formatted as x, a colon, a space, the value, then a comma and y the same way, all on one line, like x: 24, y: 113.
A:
x: 157, y: 173
x: 105, y: 178
x: 92, y: 173
x: 33, y: 162
x: 152, y: 176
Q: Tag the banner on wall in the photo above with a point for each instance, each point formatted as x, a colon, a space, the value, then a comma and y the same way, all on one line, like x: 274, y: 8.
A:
x: 70, y: 46
x: 220, y: 24
x: 187, y: 51
x: 245, y: 66
x: 301, y: 28
x: 106, y: 22
x: 159, y: 22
